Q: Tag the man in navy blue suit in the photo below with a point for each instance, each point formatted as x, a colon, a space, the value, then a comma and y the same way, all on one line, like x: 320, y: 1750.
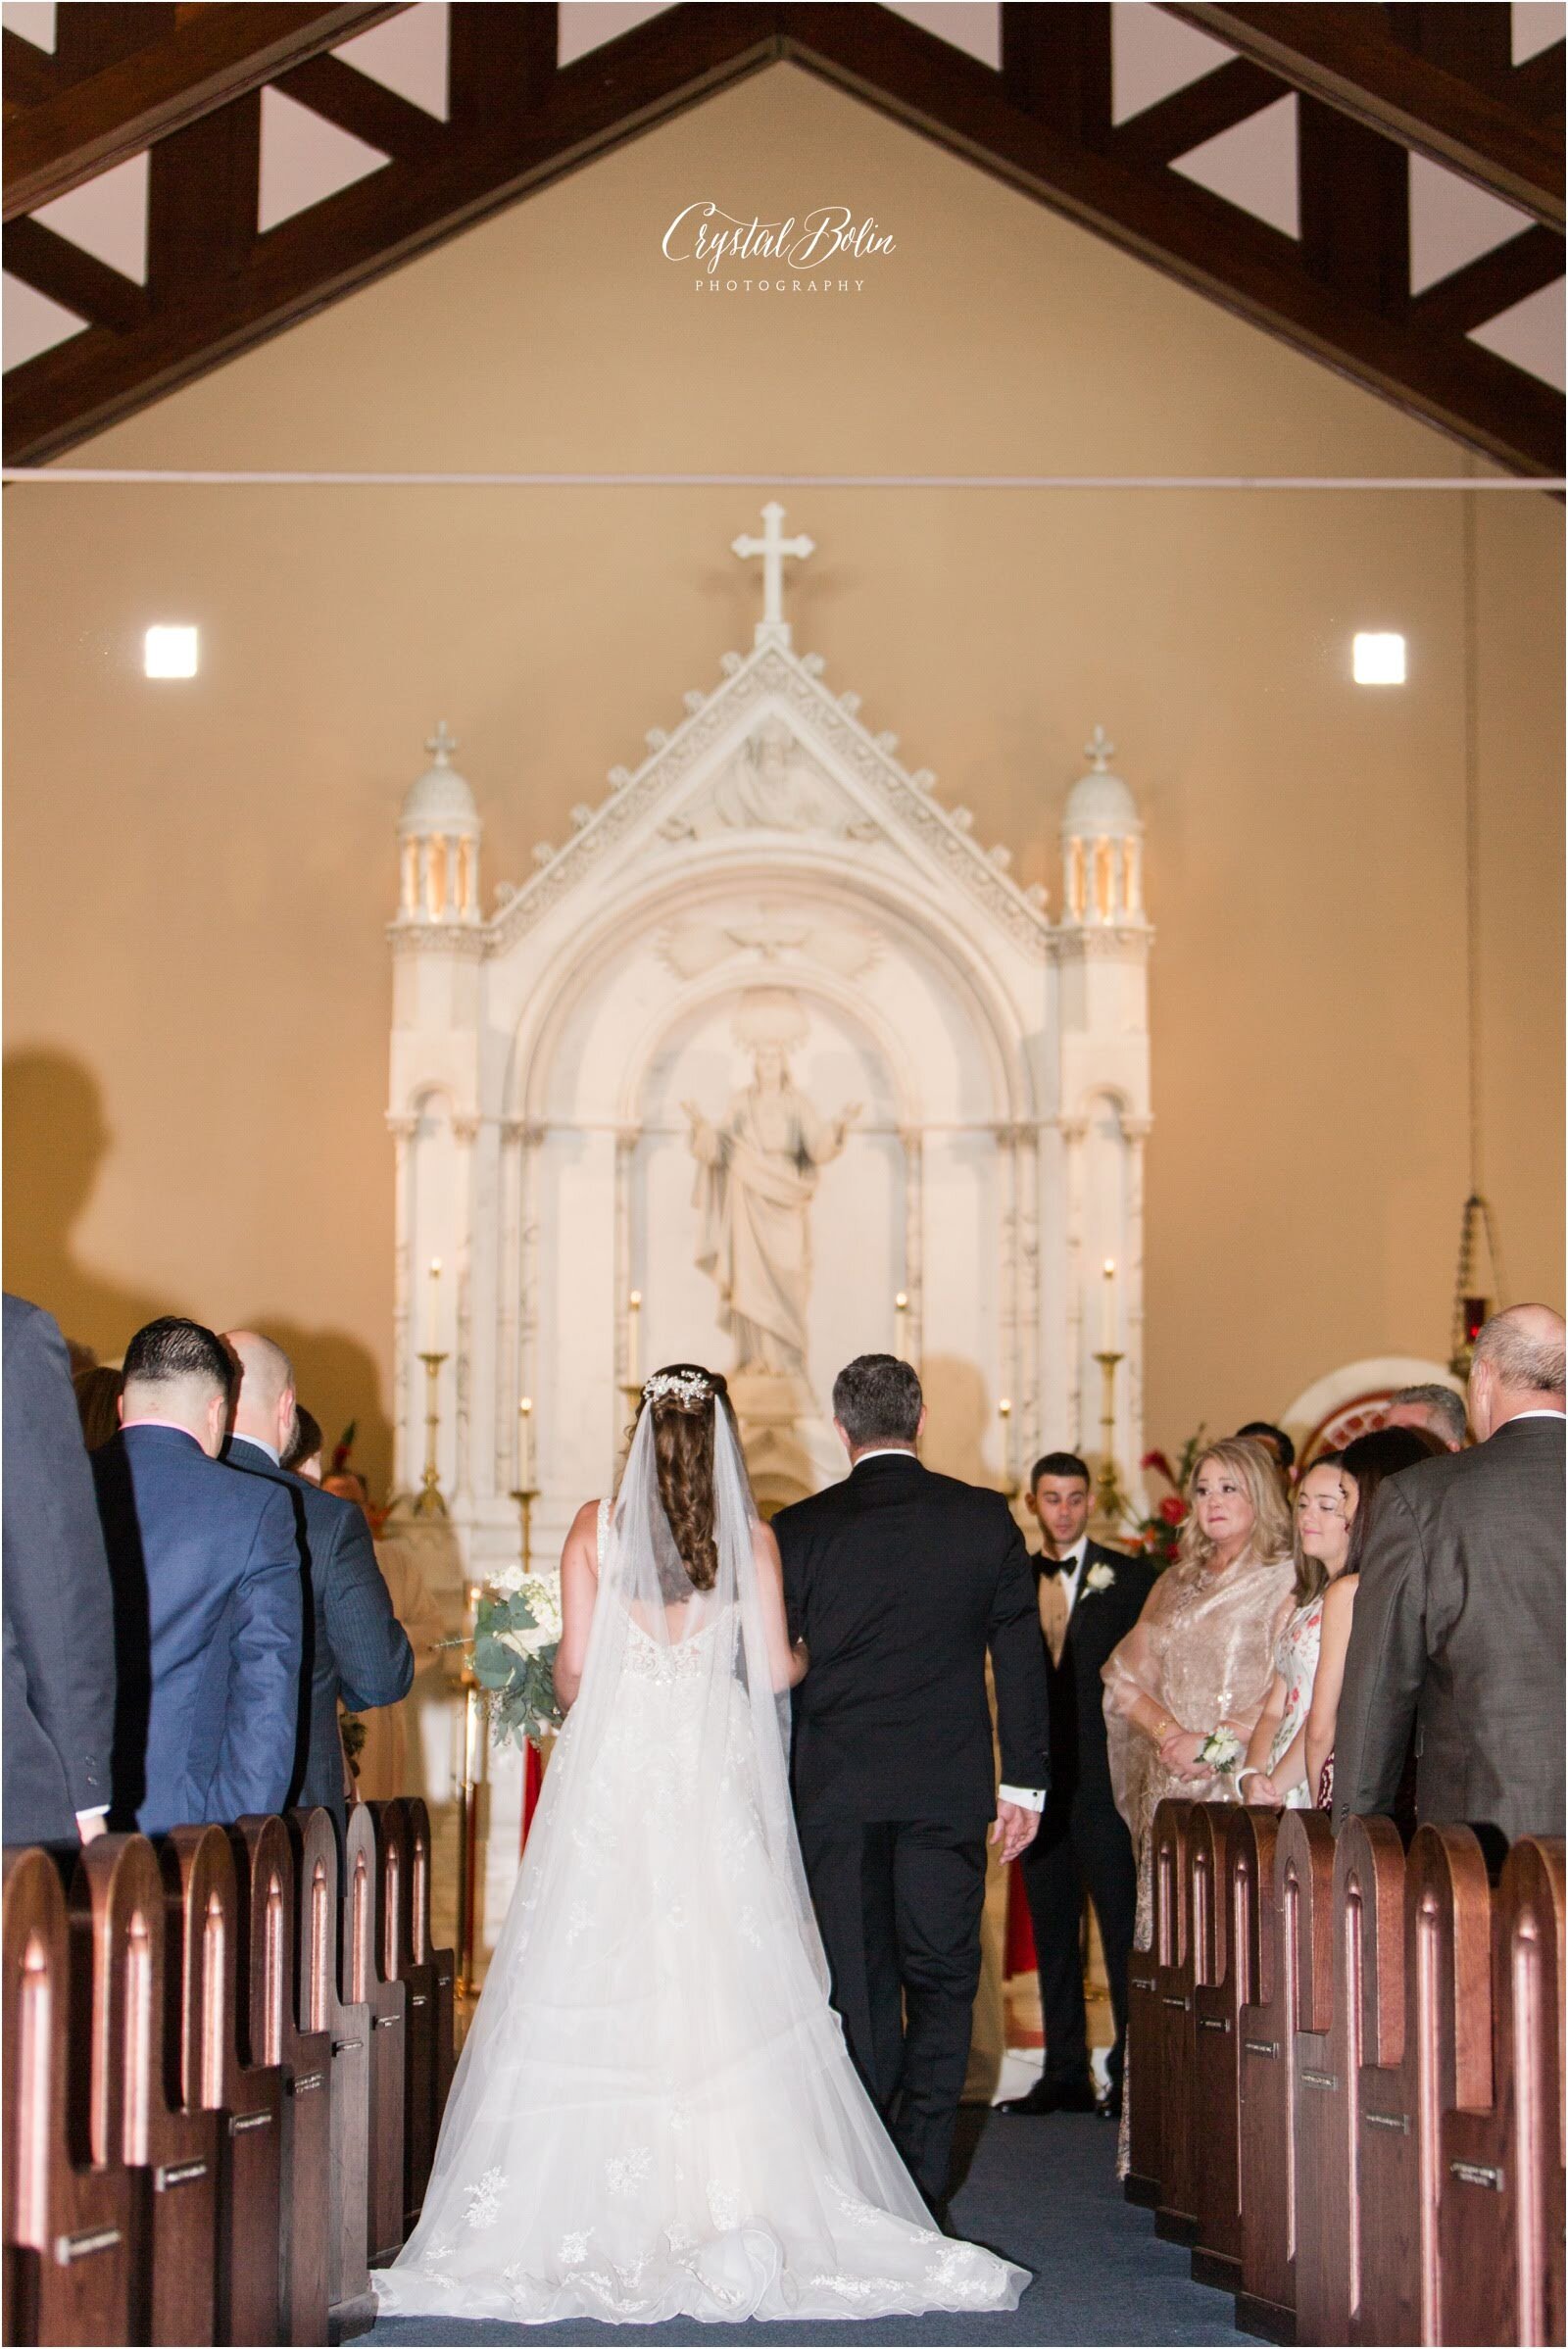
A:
x: 208, y: 1613
x: 352, y: 1640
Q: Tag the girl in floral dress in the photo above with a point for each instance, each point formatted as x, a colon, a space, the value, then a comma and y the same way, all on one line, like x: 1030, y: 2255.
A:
x: 1275, y: 1771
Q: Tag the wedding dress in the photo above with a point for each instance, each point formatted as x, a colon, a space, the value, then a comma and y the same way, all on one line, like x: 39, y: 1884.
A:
x: 655, y: 2114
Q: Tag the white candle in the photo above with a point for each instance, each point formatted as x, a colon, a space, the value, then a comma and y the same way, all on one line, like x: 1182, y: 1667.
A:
x: 634, y: 1314
x: 1107, y: 1307
x: 432, y: 1335
x: 901, y: 1325
x: 524, y: 1447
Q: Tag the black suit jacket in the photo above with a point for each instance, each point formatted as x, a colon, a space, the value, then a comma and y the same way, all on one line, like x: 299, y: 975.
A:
x: 1080, y: 1770
x: 900, y: 1581
x: 57, y: 1606
x: 352, y: 1640
x: 1458, y: 1629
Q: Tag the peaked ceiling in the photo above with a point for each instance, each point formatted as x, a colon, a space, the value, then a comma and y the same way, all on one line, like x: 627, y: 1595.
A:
x: 1381, y: 186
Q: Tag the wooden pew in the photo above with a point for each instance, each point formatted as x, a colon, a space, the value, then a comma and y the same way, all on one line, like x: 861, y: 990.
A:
x: 1501, y: 2214
x: 170, y: 2149
x: 1424, y: 2009
x: 1144, y: 2081
x: 1295, y: 1925
x: 395, y: 1933
x: 313, y: 1840
x: 1230, y: 1857
x: 198, y: 1871
x: 1367, y: 1898
x: 270, y: 2033
x: 1176, y: 2212
x: 444, y: 1961
x: 67, y: 2220
x: 367, y: 1984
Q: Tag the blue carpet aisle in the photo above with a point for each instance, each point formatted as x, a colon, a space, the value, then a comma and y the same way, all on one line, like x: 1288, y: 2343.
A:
x: 1044, y: 2193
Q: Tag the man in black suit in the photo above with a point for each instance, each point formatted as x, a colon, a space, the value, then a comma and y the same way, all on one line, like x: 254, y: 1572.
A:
x: 58, y: 1611
x: 1458, y: 1624
x: 1089, y: 1599
x: 352, y: 1640
x: 899, y: 1581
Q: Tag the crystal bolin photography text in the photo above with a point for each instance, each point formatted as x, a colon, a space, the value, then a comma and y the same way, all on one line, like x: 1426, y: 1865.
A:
x: 702, y: 232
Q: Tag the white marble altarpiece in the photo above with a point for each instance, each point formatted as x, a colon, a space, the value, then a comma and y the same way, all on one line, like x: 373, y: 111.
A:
x: 770, y: 1042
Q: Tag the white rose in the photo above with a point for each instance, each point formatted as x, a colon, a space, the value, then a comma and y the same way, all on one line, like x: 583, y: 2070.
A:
x: 1099, y: 1576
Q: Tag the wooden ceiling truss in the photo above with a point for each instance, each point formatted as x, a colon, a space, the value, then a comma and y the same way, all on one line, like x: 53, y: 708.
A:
x: 1372, y: 84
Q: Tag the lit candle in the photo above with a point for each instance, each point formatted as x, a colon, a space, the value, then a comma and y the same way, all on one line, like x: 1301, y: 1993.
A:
x: 901, y: 1325
x: 524, y: 1447
x: 634, y: 1314
x: 432, y: 1337
x: 1107, y: 1307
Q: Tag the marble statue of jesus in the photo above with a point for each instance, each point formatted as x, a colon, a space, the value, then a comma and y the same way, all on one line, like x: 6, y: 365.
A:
x: 756, y: 1173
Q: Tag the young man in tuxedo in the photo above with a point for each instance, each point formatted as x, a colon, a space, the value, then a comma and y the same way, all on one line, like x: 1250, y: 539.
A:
x: 900, y: 1582
x: 1090, y: 1597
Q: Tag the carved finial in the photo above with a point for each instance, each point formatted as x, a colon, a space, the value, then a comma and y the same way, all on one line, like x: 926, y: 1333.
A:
x: 441, y: 745
x: 1100, y: 751
x: 773, y: 546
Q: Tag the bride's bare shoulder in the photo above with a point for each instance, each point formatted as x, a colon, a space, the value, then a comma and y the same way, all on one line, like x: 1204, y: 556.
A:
x: 583, y: 1532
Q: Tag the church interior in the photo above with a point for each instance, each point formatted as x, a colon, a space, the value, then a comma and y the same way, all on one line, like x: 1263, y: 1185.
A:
x: 1043, y: 726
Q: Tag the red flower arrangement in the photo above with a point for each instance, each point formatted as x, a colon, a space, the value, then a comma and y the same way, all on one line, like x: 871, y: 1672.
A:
x: 1157, y: 1533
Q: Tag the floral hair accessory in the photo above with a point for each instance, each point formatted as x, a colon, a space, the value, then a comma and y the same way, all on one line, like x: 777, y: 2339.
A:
x: 688, y: 1385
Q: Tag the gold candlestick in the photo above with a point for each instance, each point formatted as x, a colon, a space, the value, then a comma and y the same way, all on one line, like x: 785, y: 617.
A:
x: 525, y: 1498
x: 429, y: 1503
x: 1108, y: 1484
x: 1010, y: 1481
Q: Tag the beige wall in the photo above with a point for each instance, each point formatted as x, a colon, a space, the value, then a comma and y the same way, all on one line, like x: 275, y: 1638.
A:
x: 197, y: 982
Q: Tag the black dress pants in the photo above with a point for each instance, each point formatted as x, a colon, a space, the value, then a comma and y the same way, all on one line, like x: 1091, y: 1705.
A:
x: 898, y: 1905
x: 1080, y: 1847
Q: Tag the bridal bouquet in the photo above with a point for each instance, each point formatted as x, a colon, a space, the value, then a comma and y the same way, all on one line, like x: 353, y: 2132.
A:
x: 516, y: 1630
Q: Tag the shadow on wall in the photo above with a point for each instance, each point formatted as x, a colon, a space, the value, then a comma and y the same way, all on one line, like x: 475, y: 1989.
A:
x: 57, y: 1138
x: 961, y: 1427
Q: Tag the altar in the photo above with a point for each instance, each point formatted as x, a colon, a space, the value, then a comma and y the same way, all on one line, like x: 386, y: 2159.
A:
x: 771, y: 1062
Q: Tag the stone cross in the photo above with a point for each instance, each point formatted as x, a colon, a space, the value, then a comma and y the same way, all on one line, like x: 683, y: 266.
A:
x: 1100, y: 751
x: 773, y: 546
x: 442, y: 744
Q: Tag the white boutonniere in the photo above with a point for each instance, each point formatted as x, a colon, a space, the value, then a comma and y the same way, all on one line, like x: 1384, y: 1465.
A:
x: 1221, y: 1750
x: 1099, y: 1576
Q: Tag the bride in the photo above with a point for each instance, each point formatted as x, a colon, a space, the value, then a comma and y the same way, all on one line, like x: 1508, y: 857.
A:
x: 655, y: 2114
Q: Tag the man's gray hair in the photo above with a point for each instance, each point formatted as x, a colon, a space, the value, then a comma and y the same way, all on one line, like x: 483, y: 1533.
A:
x: 876, y: 1398
x: 1445, y: 1407
x: 1524, y: 1346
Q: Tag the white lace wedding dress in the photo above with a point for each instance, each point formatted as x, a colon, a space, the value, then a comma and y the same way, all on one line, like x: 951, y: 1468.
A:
x: 655, y: 2114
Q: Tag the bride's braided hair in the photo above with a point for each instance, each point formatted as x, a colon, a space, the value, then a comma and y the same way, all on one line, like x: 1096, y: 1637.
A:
x: 683, y: 1398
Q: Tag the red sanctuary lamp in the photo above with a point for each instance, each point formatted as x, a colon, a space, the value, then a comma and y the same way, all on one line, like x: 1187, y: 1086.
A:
x: 1471, y: 1305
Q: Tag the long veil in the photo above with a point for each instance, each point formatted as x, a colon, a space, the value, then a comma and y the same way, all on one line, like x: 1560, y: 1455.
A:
x: 655, y: 2113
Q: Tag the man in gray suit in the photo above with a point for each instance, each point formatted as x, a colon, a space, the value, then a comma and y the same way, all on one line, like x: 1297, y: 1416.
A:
x: 1458, y: 1625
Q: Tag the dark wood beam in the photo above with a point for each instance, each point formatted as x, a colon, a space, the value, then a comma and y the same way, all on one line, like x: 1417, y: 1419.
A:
x: 213, y: 54
x: 1535, y: 87
x: 1356, y: 209
x: 362, y: 107
x: 52, y: 265
x: 1483, y: 289
x: 1173, y: 126
x: 1340, y: 54
x: 677, y: 59
x: 1056, y: 66
x: 201, y: 211
x: 1191, y: 235
x: 28, y: 73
